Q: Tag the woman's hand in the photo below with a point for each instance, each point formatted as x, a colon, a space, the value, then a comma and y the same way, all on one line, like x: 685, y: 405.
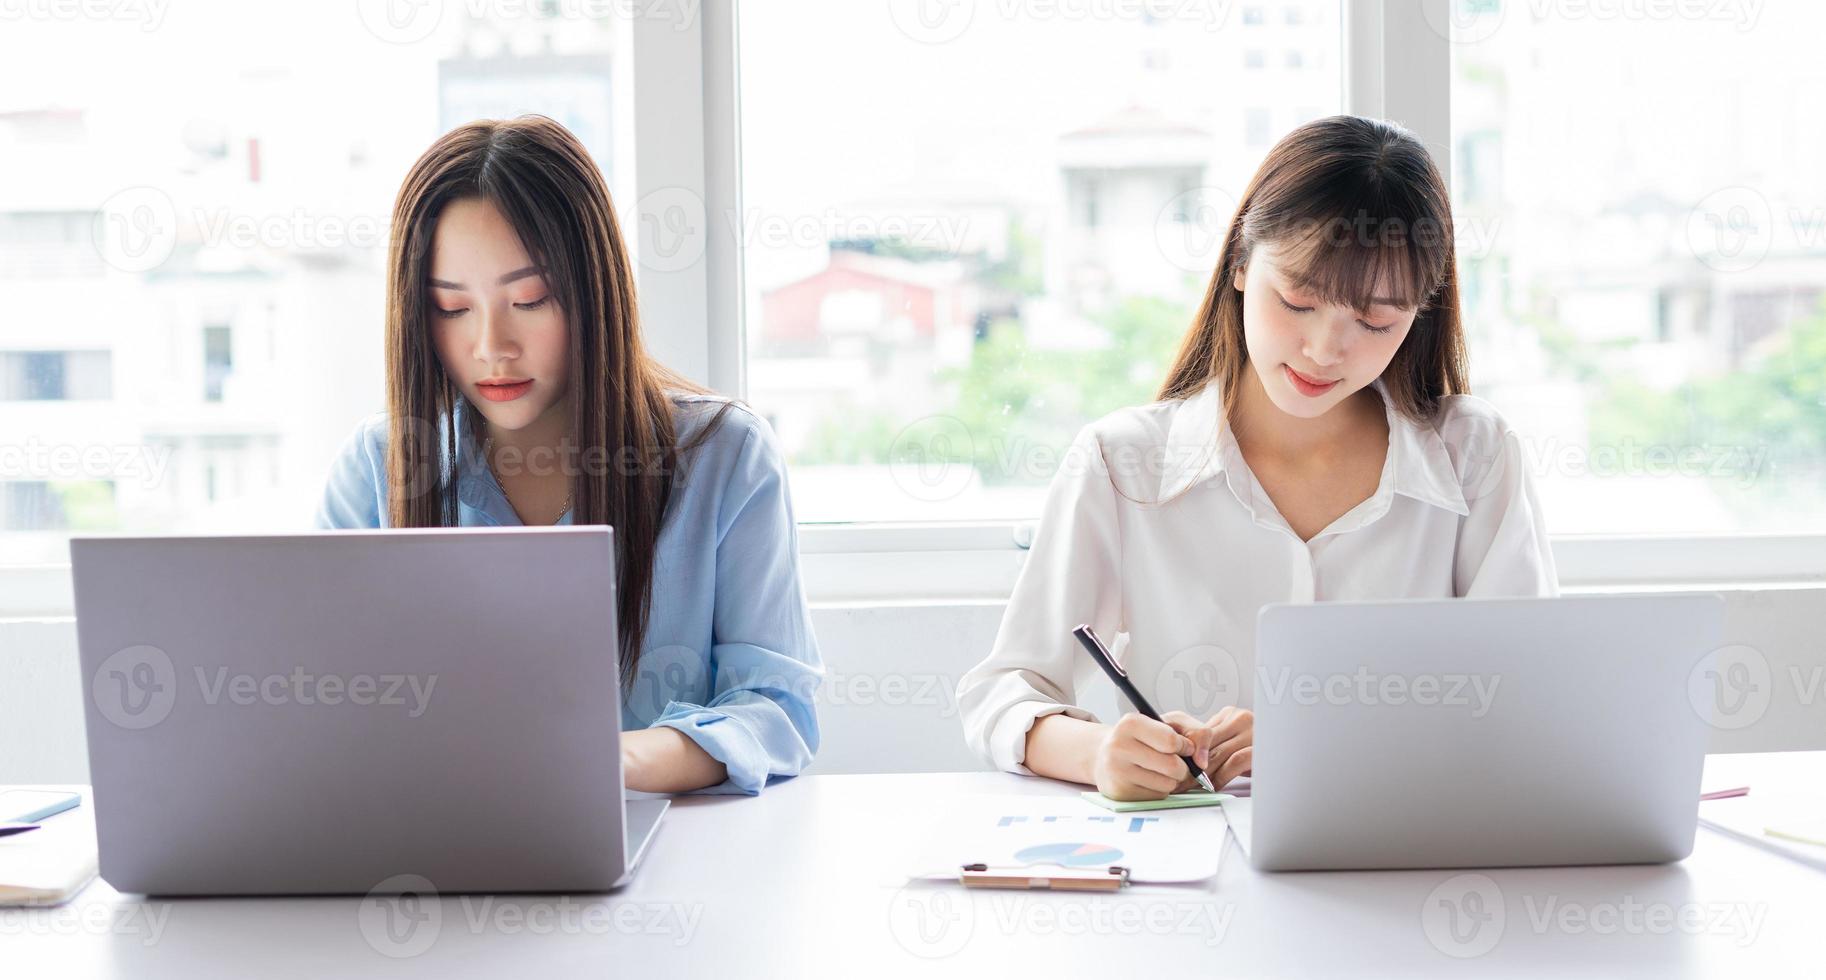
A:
x: 1226, y: 741
x: 1139, y: 758
x: 665, y: 760
x: 631, y: 761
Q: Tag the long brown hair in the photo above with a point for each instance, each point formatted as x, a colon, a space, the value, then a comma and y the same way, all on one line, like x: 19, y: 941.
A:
x: 1348, y: 201
x: 544, y: 183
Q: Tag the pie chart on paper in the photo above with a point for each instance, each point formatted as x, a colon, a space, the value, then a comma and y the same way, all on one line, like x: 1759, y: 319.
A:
x: 1070, y: 855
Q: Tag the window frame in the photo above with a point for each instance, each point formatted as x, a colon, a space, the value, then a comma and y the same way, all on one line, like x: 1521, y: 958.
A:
x: 1396, y: 65
x: 687, y: 139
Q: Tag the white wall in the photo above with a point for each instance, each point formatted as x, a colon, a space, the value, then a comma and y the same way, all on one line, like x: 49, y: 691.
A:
x: 41, y: 738
x: 888, y: 703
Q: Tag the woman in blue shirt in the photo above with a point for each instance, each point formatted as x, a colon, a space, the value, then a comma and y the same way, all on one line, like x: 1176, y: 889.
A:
x: 519, y: 392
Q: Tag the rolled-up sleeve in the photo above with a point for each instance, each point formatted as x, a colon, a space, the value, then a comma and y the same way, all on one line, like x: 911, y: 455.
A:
x: 1503, y: 549
x: 1070, y: 577
x: 352, y: 494
x: 760, y: 722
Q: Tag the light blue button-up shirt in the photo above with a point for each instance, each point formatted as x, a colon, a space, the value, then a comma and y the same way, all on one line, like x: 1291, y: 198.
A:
x: 729, y: 658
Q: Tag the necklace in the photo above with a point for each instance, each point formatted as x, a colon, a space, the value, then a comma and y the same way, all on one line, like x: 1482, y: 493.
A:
x: 492, y: 475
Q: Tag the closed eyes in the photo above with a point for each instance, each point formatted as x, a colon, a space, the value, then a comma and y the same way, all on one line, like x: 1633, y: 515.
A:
x: 537, y: 304
x: 1372, y: 328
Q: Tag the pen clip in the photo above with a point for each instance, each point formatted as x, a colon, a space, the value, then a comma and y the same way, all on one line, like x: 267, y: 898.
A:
x: 1090, y: 638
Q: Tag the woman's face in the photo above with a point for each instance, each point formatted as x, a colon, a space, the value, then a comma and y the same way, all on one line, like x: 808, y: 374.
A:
x: 1292, y: 339
x: 495, y: 324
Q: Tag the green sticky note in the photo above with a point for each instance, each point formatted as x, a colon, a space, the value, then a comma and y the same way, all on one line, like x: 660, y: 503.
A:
x: 1801, y: 832
x: 1174, y: 802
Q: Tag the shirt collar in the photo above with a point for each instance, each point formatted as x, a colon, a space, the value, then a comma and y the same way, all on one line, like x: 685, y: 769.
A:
x: 478, y: 492
x: 1417, y: 465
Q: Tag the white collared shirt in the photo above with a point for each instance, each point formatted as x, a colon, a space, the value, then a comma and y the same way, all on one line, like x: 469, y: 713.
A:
x: 1455, y: 514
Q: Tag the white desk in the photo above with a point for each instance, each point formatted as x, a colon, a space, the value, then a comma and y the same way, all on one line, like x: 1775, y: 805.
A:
x: 807, y: 880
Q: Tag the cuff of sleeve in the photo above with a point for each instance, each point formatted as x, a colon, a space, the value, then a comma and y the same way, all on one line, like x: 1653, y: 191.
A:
x: 726, y: 739
x: 1009, y: 742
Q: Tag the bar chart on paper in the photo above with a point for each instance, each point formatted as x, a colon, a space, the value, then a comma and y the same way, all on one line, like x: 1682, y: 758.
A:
x: 1037, y: 832
x: 1134, y: 824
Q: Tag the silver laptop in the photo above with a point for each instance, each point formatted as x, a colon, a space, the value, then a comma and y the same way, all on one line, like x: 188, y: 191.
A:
x: 1478, y: 733
x: 357, y: 711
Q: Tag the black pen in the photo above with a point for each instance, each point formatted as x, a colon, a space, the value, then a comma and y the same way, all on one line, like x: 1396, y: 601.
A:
x: 1120, y: 678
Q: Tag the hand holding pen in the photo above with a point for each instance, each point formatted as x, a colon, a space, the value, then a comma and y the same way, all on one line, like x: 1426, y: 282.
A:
x: 1142, y: 777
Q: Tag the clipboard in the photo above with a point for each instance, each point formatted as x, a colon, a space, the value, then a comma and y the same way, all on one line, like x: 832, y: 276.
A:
x: 1107, y: 879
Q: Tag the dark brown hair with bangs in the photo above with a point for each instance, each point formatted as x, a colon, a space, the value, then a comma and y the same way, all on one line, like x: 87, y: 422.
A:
x: 543, y: 181
x: 1355, y: 212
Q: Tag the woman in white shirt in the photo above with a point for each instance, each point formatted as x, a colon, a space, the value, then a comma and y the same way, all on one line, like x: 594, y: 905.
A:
x: 1353, y: 465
